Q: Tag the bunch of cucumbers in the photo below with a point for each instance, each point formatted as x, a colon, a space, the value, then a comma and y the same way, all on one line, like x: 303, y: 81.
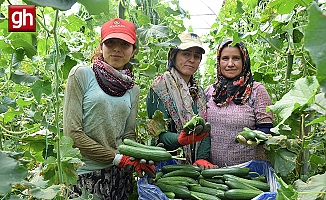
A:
x: 144, y: 152
x: 191, y: 182
x: 250, y: 137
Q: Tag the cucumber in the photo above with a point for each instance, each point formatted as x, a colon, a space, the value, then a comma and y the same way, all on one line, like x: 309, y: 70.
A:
x: 200, y: 195
x: 234, y: 184
x: 138, y: 152
x: 136, y: 144
x: 257, y: 184
x: 249, y: 135
x: 214, y: 180
x: 179, y: 190
x: 217, y: 186
x: 237, y: 171
x: 180, y: 182
x: 183, y: 172
x: 169, y: 195
x: 207, y: 190
x: 178, y: 178
x: 241, y: 194
x: 173, y: 167
x: 260, y: 135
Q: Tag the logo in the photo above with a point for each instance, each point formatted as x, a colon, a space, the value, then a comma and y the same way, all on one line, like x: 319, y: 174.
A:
x: 22, y: 18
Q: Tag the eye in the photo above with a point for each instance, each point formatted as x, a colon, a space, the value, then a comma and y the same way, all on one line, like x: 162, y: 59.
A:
x: 127, y: 44
x: 108, y: 42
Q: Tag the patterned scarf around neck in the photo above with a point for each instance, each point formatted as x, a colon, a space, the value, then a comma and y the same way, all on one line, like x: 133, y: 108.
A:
x: 177, y: 99
x: 113, y: 82
x: 237, y: 89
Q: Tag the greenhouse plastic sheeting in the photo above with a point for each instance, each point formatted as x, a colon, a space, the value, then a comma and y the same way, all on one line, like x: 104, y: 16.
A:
x: 147, y: 191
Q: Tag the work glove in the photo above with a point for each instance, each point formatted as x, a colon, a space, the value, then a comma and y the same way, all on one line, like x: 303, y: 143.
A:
x: 204, y: 164
x: 185, y: 138
x: 128, y: 164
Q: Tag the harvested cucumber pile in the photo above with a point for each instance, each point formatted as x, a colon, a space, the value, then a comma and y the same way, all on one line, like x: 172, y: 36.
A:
x: 191, y: 182
x: 141, y: 151
x: 250, y: 137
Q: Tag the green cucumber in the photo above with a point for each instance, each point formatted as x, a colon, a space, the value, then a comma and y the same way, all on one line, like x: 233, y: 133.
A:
x: 217, y: 186
x: 136, y: 144
x: 138, y: 152
x: 179, y: 182
x: 183, y: 172
x: 207, y: 190
x: 257, y: 184
x: 179, y: 190
x: 235, y: 184
x: 237, y: 171
x: 260, y: 135
x: 241, y: 194
x: 200, y: 195
x: 178, y: 178
x: 173, y: 167
x: 214, y: 180
x: 169, y: 195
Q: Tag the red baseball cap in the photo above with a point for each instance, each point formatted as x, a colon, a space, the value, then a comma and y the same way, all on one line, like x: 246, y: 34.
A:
x: 119, y: 28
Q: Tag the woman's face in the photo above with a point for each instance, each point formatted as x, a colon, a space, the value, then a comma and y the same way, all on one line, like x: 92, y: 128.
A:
x: 230, y: 62
x: 187, y: 62
x: 117, y: 52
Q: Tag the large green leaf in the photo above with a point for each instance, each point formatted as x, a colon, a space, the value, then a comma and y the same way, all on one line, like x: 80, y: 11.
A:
x: 315, y: 40
x: 30, y: 51
x: 22, y: 77
x: 40, y: 87
x: 47, y: 193
x: 11, y: 172
x: 285, y: 7
x: 56, y: 4
x: 156, y: 31
x: 96, y: 7
x: 302, y: 93
x: 311, y: 188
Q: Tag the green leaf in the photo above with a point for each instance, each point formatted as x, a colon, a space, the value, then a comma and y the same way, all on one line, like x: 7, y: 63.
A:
x: 320, y: 103
x: 48, y: 193
x: 304, y: 89
x: 285, y: 191
x: 311, y: 188
x: 314, y: 41
x: 55, y: 4
x: 156, y: 31
x: 96, y: 7
x: 30, y: 51
x: 40, y: 87
x: 11, y: 172
x: 22, y: 77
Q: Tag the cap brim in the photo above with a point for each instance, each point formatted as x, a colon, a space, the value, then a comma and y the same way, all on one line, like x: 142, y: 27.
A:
x: 122, y: 36
x: 189, y: 45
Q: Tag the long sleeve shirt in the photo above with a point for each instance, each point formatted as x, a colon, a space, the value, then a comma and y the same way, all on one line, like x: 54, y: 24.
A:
x: 97, y: 122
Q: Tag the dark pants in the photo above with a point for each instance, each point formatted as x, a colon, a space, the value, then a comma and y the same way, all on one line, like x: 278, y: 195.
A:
x: 108, y: 184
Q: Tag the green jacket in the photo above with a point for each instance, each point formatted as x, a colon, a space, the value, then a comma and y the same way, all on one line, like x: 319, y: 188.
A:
x: 170, y: 138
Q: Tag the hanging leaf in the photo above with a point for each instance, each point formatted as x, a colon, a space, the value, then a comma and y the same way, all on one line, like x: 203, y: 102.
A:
x: 314, y: 41
x: 11, y: 172
x: 55, y: 4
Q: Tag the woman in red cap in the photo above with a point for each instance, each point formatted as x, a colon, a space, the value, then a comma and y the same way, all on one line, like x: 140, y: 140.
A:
x: 100, y: 110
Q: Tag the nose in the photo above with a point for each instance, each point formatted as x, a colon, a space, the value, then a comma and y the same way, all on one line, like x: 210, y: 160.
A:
x: 230, y: 63
x: 192, y: 58
x: 116, y: 47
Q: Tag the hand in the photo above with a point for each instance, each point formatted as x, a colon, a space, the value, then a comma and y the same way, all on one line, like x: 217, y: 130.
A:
x: 185, y: 139
x: 204, y: 164
x: 124, y: 162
